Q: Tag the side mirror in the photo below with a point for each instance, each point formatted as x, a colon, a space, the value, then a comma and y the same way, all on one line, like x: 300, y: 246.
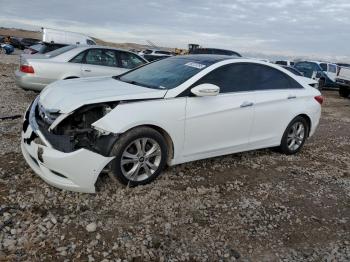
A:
x: 205, y: 90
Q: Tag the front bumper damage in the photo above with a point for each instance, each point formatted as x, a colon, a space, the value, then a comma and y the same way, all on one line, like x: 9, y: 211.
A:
x: 75, y: 171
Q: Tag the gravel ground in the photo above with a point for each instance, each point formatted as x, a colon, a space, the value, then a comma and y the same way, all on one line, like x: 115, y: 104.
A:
x: 255, y: 206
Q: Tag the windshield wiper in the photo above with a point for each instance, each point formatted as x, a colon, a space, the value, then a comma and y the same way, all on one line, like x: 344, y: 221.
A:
x: 136, y: 83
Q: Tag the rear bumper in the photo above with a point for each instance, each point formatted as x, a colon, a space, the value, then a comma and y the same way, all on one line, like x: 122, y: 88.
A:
x: 29, y: 81
x: 75, y: 171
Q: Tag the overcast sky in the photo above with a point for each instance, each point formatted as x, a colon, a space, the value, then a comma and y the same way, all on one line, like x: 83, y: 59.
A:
x: 290, y: 27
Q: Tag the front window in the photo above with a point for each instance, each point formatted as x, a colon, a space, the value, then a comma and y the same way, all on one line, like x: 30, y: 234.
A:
x: 324, y: 67
x: 130, y: 60
x: 164, y: 74
x: 101, y: 57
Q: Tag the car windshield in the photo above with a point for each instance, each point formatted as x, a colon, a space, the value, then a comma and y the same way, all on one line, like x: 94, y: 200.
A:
x: 60, y: 50
x: 165, y: 74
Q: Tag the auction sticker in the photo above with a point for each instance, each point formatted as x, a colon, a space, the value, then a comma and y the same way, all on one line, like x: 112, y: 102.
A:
x: 195, y: 65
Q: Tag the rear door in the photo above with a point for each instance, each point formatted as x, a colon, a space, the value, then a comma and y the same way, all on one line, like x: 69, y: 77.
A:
x: 100, y: 62
x: 278, y: 98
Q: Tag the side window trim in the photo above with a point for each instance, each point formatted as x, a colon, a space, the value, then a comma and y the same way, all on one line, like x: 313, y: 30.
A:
x: 292, y: 83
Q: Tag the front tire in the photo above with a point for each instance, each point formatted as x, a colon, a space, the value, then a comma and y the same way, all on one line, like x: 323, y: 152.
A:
x: 140, y: 155
x: 294, y: 136
x: 344, y: 92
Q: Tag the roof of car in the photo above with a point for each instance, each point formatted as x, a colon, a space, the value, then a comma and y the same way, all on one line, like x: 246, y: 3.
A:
x: 205, y: 58
x: 101, y: 46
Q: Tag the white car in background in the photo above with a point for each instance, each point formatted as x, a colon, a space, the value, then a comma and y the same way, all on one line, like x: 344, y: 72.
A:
x: 171, y: 111
x: 154, y: 54
x: 284, y: 63
x: 329, y: 69
x: 73, y: 61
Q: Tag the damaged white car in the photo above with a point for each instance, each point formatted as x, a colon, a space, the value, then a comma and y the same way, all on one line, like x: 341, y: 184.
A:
x: 172, y: 111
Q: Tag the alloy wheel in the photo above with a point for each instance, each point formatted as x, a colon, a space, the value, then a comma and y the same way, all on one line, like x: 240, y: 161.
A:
x: 140, y: 159
x: 296, y: 136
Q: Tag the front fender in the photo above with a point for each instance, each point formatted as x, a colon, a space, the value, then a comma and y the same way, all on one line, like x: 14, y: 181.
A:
x: 168, y: 114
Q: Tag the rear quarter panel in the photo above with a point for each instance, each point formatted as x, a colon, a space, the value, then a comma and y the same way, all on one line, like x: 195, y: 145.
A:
x: 52, y: 70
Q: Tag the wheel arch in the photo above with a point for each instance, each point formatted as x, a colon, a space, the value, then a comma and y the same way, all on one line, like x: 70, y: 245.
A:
x: 308, y: 120
x: 165, y: 134
x: 70, y: 77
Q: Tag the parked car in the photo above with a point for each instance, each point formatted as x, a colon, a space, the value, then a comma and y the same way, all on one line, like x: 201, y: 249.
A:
x: 153, y: 55
x: 285, y: 63
x: 325, y: 73
x: 37, y: 71
x: 343, y: 65
x: 306, y: 80
x: 214, y: 51
x: 6, y: 49
x: 171, y: 111
x: 42, y: 48
x: 343, y: 80
x: 14, y: 41
x: 293, y: 70
x: 27, y: 42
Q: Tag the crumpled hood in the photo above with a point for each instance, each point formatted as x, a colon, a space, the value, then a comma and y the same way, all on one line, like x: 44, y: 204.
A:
x: 68, y: 95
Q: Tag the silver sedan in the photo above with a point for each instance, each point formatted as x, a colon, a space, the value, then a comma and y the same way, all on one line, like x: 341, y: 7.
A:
x: 37, y: 71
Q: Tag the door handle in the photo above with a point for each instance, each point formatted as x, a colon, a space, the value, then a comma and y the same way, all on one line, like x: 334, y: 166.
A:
x: 246, y: 104
x: 87, y: 70
x: 291, y: 97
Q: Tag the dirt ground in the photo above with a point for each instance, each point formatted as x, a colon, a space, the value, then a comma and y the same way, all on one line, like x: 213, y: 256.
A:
x: 254, y: 206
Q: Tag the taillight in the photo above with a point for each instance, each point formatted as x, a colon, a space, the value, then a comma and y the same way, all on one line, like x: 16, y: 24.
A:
x: 319, y: 99
x: 27, y: 69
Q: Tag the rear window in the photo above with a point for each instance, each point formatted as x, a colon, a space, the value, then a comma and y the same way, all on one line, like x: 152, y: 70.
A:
x: 37, y: 47
x: 60, y: 51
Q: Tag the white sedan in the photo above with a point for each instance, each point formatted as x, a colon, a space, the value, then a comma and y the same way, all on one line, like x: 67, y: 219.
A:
x: 73, y: 61
x: 171, y: 111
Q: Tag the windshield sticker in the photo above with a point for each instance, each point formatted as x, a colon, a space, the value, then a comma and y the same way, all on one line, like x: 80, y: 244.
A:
x: 195, y: 65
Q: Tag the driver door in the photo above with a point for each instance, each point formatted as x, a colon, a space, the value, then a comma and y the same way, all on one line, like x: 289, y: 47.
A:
x: 217, y: 125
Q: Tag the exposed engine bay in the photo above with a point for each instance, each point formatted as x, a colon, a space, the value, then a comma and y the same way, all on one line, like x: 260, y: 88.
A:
x: 76, y: 131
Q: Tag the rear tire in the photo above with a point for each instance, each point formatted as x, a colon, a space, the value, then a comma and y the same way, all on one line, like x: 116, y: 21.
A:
x: 294, y: 136
x: 140, y: 155
x: 344, y: 92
